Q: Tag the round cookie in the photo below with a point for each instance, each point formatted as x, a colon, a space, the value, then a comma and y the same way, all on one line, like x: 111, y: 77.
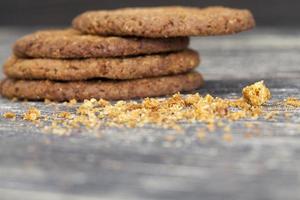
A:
x: 110, y: 90
x: 111, y: 68
x: 170, y: 21
x: 70, y: 43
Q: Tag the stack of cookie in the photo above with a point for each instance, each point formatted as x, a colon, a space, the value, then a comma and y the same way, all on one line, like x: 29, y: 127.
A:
x: 65, y: 64
x: 120, y: 54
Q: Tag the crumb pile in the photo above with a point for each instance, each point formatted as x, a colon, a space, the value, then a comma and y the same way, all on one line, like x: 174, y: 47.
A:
x: 164, y: 112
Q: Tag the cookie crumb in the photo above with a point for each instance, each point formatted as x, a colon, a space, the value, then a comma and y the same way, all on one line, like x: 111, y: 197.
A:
x: 291, y: 101
x: 256, y: 94
x: 72, y: 102
x: 47, y: 101
x: 9, y: 115
x: 65, y: 115
x: 14, y: 99
x: 32, y: 114
x: 103, y: 103
x: 227, y: 137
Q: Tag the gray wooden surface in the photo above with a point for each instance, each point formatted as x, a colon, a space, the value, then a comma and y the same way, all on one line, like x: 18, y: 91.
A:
x: 140, y: 164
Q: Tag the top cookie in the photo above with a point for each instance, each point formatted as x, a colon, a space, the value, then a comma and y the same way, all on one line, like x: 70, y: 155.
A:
x: 170, y: 21
x: 70, y: 43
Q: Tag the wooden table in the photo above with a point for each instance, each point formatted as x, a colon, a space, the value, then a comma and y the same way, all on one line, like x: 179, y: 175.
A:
x: 140, y: 164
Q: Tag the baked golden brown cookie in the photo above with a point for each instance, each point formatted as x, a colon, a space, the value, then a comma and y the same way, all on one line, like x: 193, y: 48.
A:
x: 112, y: 68
x: 106, y: 89
x: 70, y: 43
x: 170, y: 21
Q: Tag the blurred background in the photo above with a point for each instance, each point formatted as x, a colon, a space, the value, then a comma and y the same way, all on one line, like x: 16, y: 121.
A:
x: 61, y: 12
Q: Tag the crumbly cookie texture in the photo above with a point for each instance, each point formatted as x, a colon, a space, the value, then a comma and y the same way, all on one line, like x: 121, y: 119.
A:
x: 170, y: 21
x: 256, y: 94
x: 111, y: 68
x: 106, y: 89
x: 69, y: 43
